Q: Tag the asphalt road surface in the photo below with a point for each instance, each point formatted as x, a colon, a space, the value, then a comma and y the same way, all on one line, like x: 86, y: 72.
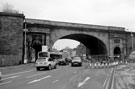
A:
x: 64, y: 77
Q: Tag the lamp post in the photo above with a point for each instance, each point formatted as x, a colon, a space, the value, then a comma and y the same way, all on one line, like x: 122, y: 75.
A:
x: 25, y: 43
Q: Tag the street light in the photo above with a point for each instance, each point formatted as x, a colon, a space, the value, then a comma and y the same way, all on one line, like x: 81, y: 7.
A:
x: 25, y: 43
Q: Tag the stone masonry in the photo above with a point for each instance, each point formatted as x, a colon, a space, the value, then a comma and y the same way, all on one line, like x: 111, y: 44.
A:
x: 11, y: 38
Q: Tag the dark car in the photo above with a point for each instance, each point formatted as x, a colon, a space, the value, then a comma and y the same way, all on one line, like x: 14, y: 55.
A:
x: 76, y: 61
x: 62, y: 62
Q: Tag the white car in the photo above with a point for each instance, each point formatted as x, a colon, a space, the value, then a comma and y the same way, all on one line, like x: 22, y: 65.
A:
x: 45, y: 63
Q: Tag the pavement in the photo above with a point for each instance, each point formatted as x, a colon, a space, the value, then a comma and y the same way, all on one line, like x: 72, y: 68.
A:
x: 12, y: 69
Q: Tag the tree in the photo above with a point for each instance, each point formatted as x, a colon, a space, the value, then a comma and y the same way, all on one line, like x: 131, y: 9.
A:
x: 8, y: 8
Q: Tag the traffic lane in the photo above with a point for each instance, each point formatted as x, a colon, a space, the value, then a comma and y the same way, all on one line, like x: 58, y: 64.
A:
x: 58, y: 79
x: 80, y: 79
x: 62, y: 81
x: 97, y: 80
x: 28, y: 78
x: 85, y: 79
x: 65, y: 80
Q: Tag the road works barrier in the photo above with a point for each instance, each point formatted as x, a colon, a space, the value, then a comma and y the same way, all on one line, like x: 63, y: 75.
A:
x: 100, y: 65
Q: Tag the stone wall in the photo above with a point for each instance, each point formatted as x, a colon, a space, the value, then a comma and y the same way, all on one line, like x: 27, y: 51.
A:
x: 11, y: 38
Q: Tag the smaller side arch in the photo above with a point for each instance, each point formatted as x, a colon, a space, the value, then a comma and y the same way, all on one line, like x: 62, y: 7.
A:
x: 117, y: 53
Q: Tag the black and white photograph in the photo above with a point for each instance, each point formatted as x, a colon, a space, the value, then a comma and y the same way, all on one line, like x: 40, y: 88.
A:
x: 67, y: 44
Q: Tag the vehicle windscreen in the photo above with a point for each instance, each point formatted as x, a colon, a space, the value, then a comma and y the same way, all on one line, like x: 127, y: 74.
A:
x: 42, y: 54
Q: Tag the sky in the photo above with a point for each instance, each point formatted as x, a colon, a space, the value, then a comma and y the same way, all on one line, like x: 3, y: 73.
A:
x: 119, y: 13
x: 63, y: 43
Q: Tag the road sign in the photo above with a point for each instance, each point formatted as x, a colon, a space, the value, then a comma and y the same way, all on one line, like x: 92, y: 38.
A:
x: 44, y: 48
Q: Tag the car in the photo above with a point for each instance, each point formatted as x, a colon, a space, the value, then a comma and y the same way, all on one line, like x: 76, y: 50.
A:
x: 46, y: 63
x: 62, y: 61
x: 0, y: 75
x: 76, y: 61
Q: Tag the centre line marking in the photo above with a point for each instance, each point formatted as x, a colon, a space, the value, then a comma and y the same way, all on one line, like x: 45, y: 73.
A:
x: 5, y: 83
x: 82, y: 83
x: 105, y: 82
x: 38, y: 79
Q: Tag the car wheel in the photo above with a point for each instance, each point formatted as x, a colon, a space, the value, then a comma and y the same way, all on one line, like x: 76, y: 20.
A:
x: 72, y: 65
x: 37, y: 68
x: 55, y: 66
x: 80, y: 64
x: 49, y: 67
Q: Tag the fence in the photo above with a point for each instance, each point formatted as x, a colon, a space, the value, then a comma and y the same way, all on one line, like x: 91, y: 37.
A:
x: 99, y: 58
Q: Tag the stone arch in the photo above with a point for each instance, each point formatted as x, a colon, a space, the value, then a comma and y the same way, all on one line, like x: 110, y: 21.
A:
x: 117, y: 53
x: 95, y: 45
x: 101, y: 37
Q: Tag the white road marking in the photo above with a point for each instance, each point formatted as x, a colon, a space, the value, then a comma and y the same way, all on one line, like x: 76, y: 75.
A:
x: 112, y: 86
x: 5, y: 83
x: 121, y: 67
x: 17, y: 73
x: 35, y: 75
x: 10, y: 77
x: 107, y: 85
x: 38, y: 79
x: 55, y: 81
x: 105, y: 82
x: 82, y: 83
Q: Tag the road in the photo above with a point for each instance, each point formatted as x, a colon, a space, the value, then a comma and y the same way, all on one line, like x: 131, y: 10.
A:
x: 124, y: 77
x: 64, y: 77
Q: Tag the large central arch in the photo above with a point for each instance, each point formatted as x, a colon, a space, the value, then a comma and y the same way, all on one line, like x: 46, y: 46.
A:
x: 94, y: 45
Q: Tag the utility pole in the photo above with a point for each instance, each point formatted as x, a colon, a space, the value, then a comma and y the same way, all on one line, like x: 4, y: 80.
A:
x: 25, y: 42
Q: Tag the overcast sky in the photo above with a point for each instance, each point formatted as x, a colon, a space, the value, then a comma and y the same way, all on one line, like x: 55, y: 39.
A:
x: 119, y: 13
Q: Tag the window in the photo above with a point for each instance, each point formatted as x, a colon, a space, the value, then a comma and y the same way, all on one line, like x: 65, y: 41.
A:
x: 43, y: 54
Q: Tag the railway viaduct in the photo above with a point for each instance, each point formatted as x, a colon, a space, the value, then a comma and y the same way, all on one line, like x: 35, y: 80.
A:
x: 20, y: 35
